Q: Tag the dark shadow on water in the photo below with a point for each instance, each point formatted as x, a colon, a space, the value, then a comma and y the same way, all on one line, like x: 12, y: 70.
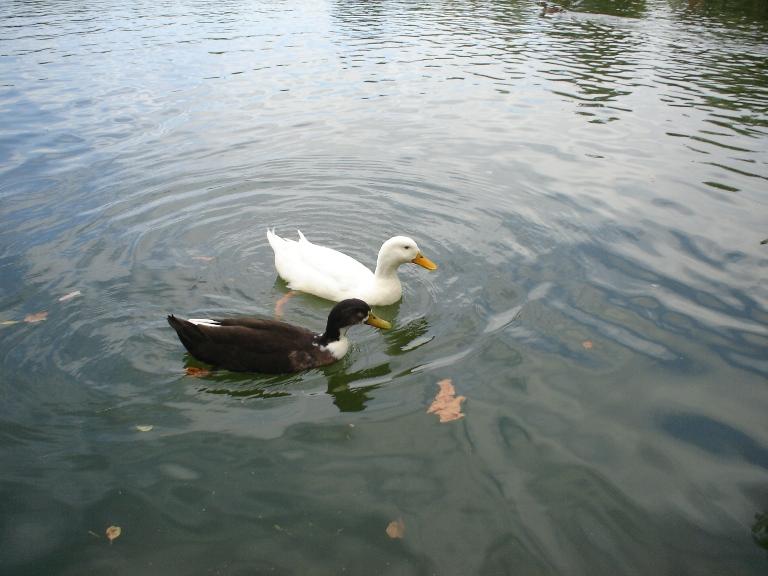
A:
x: 402, y: 339
x: 760, y: 530
x: 253, y: 385
x: 714, y: 437
x: 239, y: 384
x: 349, y: 399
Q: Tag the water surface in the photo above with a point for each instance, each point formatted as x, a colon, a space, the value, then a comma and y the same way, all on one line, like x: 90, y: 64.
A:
x: 592, y: 184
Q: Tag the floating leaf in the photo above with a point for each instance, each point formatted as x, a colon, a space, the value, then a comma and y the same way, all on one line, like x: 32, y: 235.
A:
x: 446, y: 404
x: 144, y: 427
x: 197, y: 372
x: 203, y: 258
x: 8, y: 322
x: 587, y: 344
x: 113, y: 532
x: 396, y: 528
x: 69, y: 296
x: 36, y: 317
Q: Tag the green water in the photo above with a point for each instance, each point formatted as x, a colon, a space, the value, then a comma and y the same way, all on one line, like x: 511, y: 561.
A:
x: 591, y: 183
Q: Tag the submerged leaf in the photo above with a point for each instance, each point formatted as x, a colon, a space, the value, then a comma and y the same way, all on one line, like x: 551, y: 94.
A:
x: 446, y: 404
x: 396, y: 528
x: 197, y: 372
x: 587, y: 344
x: 36, y: 317
x: 69, y: 296
x: 113, y: 532
x: 8, y: 322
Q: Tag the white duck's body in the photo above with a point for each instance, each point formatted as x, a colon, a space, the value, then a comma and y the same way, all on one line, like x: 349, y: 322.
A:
x: 335, y: 276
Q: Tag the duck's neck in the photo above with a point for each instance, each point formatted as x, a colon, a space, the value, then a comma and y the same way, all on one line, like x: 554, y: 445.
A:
x: 386, y: 268
x: 331, y: 334
x: 335, y: 341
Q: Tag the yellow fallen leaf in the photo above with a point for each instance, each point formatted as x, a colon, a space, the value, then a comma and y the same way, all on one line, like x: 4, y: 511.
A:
x: 197, y: 372
x: 36, y: 317
x: 144, y: 427
x: 446, y: 404
x: 8, y: 322
x: 113, y: 532
x: 396, y: 528
x: 69, y: 296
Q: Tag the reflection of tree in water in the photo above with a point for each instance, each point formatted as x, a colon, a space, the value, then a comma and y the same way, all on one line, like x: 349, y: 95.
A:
x: 727, y: 11
x: 597, y: 58
x: 625, y: 8
x: 760, y: 530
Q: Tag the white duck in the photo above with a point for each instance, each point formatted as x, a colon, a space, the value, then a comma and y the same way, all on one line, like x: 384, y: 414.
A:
x: 335, y: 276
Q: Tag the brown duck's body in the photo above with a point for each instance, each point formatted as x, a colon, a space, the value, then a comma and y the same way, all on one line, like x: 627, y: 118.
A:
x: 253, y: 345
x: 271, y: 346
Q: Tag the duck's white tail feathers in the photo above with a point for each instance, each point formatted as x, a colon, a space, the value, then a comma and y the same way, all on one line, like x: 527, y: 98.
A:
x: 204, y: 322
x: 278, y: 242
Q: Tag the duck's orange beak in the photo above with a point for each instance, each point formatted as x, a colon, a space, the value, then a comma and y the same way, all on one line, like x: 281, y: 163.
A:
x: 377, y: 322
x: 424, y: 262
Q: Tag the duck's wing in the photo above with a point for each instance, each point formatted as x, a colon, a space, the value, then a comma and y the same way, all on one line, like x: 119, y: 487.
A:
x: 332, y: 272
x: 316, y: 269
x: 330, y: 259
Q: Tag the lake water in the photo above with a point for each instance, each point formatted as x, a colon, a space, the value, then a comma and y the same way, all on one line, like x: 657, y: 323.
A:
x: 591, y: 183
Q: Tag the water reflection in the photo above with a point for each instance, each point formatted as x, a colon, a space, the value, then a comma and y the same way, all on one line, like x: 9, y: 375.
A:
x: 760, y: 530
x: 715, y: 437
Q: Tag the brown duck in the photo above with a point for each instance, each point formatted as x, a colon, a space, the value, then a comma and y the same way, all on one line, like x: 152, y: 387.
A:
x: 271, y: 346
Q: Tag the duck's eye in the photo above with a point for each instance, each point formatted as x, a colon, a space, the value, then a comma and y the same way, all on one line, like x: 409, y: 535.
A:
x: 407, y: 247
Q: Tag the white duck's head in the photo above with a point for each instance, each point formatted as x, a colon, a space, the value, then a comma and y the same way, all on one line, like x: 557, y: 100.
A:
x: 400, y: 250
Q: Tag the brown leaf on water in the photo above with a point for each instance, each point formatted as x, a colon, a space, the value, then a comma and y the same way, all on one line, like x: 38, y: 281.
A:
x: 396, y: 528
x: 587, y: 344
x: 197, y: 372
x: 36, y: 317
x: 73, y: 294
x: 446, y: 404
x: 113, y: 532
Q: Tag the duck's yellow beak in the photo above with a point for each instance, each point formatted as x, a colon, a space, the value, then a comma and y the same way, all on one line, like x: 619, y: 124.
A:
x: 424, y: 262
x: 378, y: 322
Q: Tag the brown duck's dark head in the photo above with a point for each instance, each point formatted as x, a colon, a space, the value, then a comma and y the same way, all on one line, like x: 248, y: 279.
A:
x: 348, y: 313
